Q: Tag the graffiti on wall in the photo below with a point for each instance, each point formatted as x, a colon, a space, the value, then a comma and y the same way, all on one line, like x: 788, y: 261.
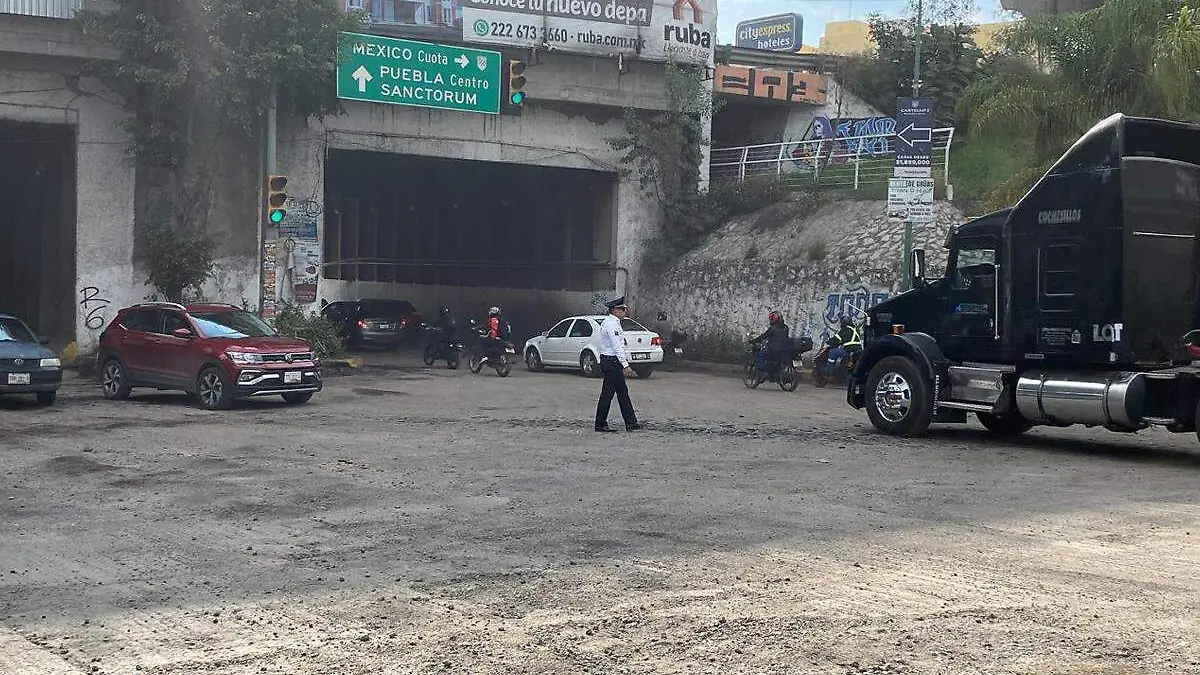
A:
x: 93, y: 306
x: 789, y: 86
x: 853, y: 303
x: 841, y: 140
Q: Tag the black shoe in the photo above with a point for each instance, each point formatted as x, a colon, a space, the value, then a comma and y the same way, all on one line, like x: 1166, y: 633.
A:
x: 606, y: 430
x: 634, y: 427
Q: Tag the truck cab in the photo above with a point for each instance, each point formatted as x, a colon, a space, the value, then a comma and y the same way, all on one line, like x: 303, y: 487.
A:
x: 1070, y: 307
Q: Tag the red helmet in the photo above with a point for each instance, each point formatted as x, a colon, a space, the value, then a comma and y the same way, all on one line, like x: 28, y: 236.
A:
x: 774, y: 317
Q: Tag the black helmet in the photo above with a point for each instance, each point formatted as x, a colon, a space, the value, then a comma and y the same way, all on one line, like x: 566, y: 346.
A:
x: 444, y: 311
x: 662, y: 316
x: 845, y: 320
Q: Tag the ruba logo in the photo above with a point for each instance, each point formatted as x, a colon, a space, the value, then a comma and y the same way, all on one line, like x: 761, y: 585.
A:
x: 694, y: 34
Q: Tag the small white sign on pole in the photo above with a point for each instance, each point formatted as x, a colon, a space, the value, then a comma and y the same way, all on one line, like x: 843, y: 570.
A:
x: 910, y: 199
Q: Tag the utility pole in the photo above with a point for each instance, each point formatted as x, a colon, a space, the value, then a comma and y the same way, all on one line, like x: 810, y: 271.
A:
x: 906, y: 254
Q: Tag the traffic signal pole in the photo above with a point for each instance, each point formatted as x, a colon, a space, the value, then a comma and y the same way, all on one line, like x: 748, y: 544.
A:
x: 269, y: 166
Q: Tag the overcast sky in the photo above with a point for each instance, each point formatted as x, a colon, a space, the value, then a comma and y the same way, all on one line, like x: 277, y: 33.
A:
x: 816, y: 12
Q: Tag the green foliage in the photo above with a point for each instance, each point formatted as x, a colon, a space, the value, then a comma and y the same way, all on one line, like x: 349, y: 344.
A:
x: 1139, y: 57
x: 320, y: 333
x: 950, y: 62
x: 187, y: 65
x: 663, y: 148
x: 177, y: 259
x: 980, y: 165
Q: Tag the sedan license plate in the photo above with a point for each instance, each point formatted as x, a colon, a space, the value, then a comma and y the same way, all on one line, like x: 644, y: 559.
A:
x: 387, y: 326
x: 640, y: 357
x: 18, y: 378
x: 291, y: 377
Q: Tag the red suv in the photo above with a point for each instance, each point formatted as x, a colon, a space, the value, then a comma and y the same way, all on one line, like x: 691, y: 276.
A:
x: 217, y: 353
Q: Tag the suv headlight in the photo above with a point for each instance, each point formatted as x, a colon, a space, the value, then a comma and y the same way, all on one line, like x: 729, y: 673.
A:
x: 244, y: 357
x: 51, y: 363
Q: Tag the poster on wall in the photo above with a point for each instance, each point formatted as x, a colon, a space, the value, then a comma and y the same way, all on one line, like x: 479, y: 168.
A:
x: 269, y: 282
x: 304, y: 263
x: 682, y: 31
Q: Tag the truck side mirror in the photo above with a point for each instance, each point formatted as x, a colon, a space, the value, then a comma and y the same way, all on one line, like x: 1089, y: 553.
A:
x: 918, y: 267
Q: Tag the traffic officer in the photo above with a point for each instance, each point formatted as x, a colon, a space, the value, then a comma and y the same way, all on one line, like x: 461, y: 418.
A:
x: 614, y: 364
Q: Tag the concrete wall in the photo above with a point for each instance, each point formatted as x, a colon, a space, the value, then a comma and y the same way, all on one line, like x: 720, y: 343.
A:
x: 46, y: 89
x: 811, y: 269
x: 840, y: 103
x: 567, y: 122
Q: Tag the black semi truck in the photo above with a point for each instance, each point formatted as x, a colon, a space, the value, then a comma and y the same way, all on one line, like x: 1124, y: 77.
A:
x: 1068, y: 308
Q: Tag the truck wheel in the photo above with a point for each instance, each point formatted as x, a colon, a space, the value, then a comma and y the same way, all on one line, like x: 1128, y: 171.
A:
x: 898, y: 397
x: 1009, y: 425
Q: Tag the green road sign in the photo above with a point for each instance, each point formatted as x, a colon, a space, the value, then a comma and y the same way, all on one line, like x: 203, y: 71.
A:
x: 406, y: 72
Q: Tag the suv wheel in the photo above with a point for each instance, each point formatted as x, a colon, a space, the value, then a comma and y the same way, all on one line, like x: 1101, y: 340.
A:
x: 114, y: 381
x: 213, y: 389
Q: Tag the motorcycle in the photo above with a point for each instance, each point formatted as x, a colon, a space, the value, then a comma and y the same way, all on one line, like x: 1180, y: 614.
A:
x: 437, y: 349
x: 787, y: 375
x: 499, y: 356
x: 673, y: 351
x: 826, y: 369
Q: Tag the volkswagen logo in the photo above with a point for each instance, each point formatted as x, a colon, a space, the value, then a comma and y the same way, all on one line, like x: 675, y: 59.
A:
x: 17, y: 362
x: 288, y: 358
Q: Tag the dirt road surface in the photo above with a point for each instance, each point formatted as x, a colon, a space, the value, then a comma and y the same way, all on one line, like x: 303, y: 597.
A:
x: 414, y: 520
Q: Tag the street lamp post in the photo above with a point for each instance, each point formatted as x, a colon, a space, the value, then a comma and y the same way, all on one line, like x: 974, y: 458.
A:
x: 906, y: 249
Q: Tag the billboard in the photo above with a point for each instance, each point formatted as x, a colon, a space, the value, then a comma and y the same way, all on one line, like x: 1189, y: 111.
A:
x: 683, y: 31
x: 777, y: 33
x: 789, y: 86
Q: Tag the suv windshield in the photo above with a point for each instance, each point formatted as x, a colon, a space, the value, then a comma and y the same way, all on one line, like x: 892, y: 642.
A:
x: 12, y: 330
x: 238, y: 324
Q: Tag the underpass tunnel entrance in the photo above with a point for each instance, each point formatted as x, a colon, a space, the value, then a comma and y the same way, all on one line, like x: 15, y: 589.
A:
x: 37, y: 227
x: 469, y: 233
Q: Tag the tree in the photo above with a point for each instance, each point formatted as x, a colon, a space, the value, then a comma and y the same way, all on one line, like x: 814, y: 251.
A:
x: 198, y: 74
x: 950, y: 61
x: 1139, y: 57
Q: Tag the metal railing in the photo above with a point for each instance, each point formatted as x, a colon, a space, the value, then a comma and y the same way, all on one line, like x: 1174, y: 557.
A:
x: 50, y: 9
x: 845, y: 162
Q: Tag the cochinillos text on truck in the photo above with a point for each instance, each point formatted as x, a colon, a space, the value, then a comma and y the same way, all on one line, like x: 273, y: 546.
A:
x: 1067, y: 308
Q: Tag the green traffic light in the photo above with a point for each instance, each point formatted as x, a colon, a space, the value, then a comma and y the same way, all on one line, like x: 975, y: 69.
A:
x: 276, y: 216
x: 517, y: 97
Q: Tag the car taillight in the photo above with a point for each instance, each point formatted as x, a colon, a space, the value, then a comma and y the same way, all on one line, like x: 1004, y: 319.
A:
x: 656, y: 340
x: 362, y: 324
x: 403, y: 322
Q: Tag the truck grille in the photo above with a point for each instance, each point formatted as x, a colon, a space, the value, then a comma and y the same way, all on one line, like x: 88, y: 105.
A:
x: 287, y: 358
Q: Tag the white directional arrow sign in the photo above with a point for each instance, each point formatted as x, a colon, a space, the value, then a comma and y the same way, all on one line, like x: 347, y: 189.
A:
x: 913, y: 135
x: 362, y: 76
x: 462, y: 60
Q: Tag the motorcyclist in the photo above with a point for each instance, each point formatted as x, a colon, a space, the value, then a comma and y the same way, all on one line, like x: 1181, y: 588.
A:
x: 446, y: 326
x: 845, y: 341
x: 662, y: 327
x: 491, y: 341
x: 777, y: 343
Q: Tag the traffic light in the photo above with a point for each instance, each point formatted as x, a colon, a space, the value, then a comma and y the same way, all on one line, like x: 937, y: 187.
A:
x: 276, y: 199
x: 516, y: 82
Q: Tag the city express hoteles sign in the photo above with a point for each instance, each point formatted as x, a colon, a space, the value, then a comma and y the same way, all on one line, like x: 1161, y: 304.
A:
x: 652, y: 30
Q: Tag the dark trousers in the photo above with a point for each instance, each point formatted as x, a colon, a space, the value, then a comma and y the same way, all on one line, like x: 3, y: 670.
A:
x: 614, y: 385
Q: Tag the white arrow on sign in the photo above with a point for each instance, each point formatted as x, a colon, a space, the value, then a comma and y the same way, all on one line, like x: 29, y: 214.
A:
x: 913, y: 135
x: 362, y: 76
x: 462, y: 60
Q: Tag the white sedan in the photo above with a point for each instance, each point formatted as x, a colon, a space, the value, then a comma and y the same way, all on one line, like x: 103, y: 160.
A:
x: 574, y: 342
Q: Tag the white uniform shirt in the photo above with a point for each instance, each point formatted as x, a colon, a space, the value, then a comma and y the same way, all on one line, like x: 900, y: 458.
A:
x: 612, y: 340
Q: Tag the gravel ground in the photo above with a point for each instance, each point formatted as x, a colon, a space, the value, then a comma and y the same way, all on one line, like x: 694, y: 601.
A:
x: 414, y: 520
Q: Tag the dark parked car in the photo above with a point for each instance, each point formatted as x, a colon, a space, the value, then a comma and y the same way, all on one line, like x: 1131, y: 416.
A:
x: 1192, y: 341
x: 379, y: 323
x: 217, y: 353
x: 27, y: 366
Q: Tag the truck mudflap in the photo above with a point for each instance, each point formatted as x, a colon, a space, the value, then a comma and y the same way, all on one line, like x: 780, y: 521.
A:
x: 921, y: 348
